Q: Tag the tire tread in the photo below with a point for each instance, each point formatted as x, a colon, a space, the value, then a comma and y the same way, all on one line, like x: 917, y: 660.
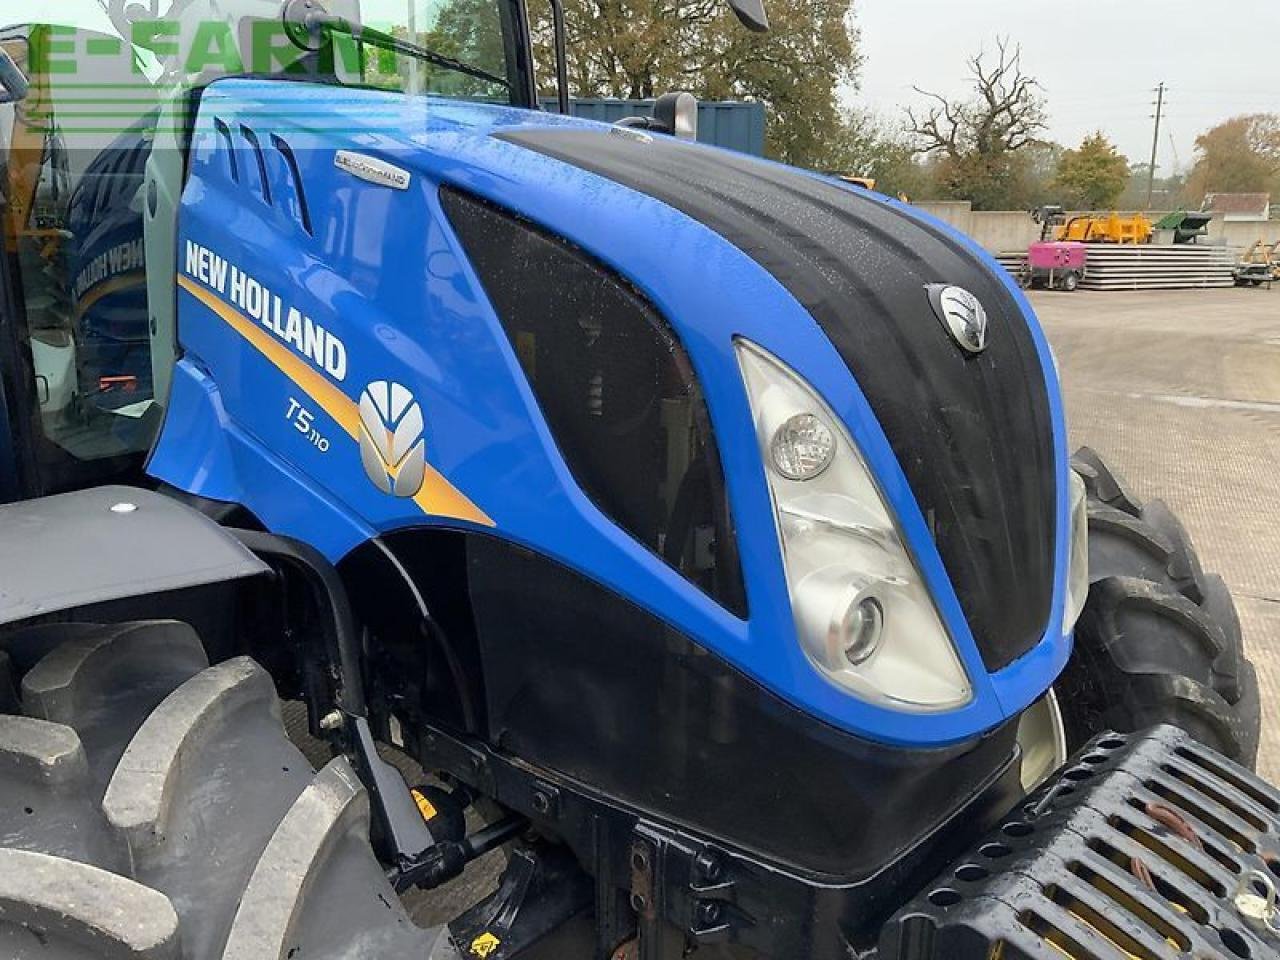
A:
x: 199, y: 773
x: 1159, y: 640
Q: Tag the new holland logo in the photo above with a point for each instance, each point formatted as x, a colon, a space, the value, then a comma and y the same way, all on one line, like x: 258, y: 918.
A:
x: 391, y: 442
x: 962, y: 314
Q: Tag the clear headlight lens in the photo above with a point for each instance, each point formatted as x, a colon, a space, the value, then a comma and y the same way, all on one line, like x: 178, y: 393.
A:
x: 802, y: 447
x: 1078, y: 570
x: 862, y: 613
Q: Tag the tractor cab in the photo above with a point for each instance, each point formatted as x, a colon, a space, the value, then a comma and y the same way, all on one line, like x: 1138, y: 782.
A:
x: 78, y: 377
x: 93, y: 158
x: 92, y: 162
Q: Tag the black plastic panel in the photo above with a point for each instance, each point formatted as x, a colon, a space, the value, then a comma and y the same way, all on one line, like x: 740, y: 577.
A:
x: 617, y: 390
x: 972, y: 433
x: 582, y: 683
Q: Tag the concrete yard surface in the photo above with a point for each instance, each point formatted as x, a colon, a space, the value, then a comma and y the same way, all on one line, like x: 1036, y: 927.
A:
x: 1180, y: 391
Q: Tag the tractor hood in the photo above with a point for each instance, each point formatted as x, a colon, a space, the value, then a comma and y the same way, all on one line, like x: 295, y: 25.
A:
x: 972, y: 432
x: 967, y: 447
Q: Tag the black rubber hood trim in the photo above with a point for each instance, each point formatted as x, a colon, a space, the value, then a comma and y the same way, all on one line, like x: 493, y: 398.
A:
x: 973, y: 433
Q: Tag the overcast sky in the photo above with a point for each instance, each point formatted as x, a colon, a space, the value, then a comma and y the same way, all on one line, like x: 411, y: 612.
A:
x: 1098, y: 60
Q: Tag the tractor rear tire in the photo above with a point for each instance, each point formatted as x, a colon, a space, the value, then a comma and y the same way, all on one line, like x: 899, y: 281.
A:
x: 1159, y: 640
x: 154, y: 808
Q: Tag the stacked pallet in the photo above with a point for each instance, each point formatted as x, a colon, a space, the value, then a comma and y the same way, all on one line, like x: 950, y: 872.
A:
x: 1012, y: 262
x: 1157, y: 267
x: 1109, y: 266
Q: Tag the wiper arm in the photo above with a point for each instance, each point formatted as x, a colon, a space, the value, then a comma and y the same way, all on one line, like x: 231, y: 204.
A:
x: 386, y: 41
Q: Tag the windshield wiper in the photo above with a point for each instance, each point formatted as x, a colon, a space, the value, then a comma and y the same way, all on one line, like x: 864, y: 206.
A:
x: 385, y: 41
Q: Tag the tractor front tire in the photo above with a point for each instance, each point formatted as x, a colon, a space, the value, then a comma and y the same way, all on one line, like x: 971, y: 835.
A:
x: 1159, y: 640
x: 151, y: 806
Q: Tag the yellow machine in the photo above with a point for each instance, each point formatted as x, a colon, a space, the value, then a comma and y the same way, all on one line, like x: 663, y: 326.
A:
x: 1260, y: 264
x: 866, y: 183
x: 1266, y: 254
x: 27, y: 155
x: 1135, y: 229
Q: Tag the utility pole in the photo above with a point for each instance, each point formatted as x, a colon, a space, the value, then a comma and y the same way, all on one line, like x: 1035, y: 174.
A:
x: 415, y: 78
x: 1155, y: 143
x: 1177, y: 160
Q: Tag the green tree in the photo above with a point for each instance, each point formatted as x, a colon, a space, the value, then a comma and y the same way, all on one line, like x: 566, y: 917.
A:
x: 982, y: 142
x: 1241, y: 155
x: 1167, y: 192
x: 637, y: 49
x: 1036, y: 168
x: 868, y: 145
x: 1094, y: 175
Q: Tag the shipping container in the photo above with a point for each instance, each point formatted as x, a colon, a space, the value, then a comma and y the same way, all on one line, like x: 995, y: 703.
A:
x: 732, y: 124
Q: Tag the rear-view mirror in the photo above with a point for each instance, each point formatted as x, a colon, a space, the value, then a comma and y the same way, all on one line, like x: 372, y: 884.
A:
x: 751, y: 13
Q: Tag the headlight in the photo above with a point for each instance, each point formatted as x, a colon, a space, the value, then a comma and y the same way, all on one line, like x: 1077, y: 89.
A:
x: 1078, y: 570
x: 862, y: 613
x: 802, y: 447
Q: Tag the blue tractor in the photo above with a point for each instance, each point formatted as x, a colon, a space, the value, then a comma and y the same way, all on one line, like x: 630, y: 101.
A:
x: 697, y: 535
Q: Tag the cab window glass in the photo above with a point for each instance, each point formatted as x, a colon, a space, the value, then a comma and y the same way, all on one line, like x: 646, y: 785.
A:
x: 72, y: 170
x: 467, y: 31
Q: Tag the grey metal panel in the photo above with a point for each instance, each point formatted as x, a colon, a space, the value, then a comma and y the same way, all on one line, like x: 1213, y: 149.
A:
x: 739, y: 126
x: 732, y: 124
x: 76, y: 549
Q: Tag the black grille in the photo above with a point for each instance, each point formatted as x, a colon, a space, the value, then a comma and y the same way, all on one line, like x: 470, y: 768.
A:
x: 973, y: 434
x: 1142, y: 849
x: 617, y: 390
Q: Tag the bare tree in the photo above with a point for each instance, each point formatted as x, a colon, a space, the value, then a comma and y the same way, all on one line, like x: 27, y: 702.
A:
x: 977, y: 138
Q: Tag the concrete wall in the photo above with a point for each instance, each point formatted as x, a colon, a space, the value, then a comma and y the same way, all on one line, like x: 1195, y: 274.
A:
x: 1239, y: 234
x: 1006, y: 231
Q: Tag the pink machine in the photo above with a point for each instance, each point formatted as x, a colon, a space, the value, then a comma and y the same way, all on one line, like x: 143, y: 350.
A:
x: 1056, y: 264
